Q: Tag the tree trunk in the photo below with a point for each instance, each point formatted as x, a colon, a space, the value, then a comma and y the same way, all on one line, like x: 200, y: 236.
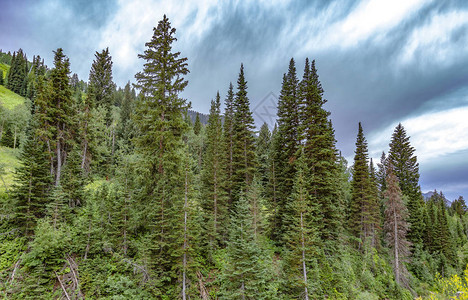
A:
x: 304, y: 270
x: 215, y: 221
x: 59, y: 163
x: 395, y: 232
x: 185, y: 237
x: 84, y: 153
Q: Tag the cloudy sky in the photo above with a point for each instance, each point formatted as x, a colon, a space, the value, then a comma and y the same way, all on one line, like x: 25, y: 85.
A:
x: 380, y: 62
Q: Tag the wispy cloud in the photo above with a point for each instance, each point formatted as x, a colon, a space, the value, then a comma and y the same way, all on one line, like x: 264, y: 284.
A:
x: 441, y: 40
x: 433, y: 134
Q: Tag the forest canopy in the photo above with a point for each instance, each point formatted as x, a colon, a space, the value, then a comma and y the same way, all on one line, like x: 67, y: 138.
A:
x: 127, y: 193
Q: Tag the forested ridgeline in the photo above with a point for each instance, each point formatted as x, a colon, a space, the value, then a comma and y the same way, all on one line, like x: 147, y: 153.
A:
x: 118, y: 194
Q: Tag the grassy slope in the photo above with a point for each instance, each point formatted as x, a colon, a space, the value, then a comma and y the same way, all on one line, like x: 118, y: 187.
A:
x: 5, y: 69
x: 8, y: 157
x: 8, y: 99
x: 9, y: 160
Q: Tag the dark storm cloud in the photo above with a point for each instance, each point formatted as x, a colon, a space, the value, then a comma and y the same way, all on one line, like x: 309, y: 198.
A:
x: 43, y: 26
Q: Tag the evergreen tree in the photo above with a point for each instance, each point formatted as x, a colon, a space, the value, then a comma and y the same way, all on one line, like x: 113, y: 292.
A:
x: 245, y: 275
x: 8, y: 139
x: 17, y: 76
x: 272, y: 187
x: 32, y: 182
x: 228, y: 139
x: 375, y: 206
x: 1, y: 78
x: 213, y: 178
x: 243, y: 148
x: 263, y: 148
x: 396, y: 226
x: 302, y: 240
x: 126, y: 124
x: 160, y: 127
x: 101, y: 86
x: 55, y: 108
x: 364, y: 210
x: 320, y: 154
x: 197, y: 125
x: 458, y: 206
x: 406, y: 168
x: 288, y: 144
x: 381, y: 175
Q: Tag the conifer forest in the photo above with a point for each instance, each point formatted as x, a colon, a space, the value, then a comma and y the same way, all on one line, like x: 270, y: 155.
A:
x: 112, y: 192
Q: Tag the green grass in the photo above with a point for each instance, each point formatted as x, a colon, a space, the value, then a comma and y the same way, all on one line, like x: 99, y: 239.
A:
x: 9, y: 160
x: 8, y: 99
x: 5, y: 69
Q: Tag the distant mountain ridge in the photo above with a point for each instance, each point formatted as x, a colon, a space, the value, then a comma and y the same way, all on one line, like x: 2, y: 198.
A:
x: 429, y: 194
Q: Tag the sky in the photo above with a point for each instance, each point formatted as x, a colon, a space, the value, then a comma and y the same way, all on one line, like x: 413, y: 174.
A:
x: 380, y: 62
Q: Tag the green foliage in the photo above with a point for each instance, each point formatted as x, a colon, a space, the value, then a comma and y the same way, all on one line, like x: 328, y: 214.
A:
x: 243, y: 146
x: 287, y: 143
x: 214, y: 201
x: 197, y: 126
x: 364, y: 216
x: 17, y: 75
x: 32, y: 182
x: 101, y: 86
x: 246, y: 272
x: 145, y: 206
x: 406, y: 168
x: 320, y: 155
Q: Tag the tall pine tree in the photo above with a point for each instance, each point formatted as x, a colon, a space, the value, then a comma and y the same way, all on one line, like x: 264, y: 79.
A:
x: 288, y: 144
x: 406, y: 168
x: 160, y: 127
x: 320, y: 154
x: 213, y: 178
x: 243, y: 147
x: 364, y: 211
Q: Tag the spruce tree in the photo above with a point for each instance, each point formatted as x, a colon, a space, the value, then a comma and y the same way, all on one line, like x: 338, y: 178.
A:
x: 101, y: 86
x: 56, y: 111
x: 32, y: 181
x: 17, y: 76
x: 272, y: 186
x: 245, y: 275
x: 125, y: 131
x: 320, y: 154
x: 228, y: 140
x: 213, y: 178
x: 243, y: 148
x: 364, y: 200
x: 197, y: 125
x: 302, y: 239
x: 396, y: 227
x: 288, y: 144
x: 401, y: 157
x: 160, y: 127
x: 381, y: 175
x: 262, y: 151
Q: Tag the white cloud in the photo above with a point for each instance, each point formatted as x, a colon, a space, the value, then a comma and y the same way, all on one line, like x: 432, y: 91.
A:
x: 370, y: 19
x: 433, y: 43
x: 132, y: 26
x: 433, y: 134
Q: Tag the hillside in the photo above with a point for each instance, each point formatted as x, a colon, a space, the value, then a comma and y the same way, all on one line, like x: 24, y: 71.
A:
x: 9, y: 161
x: 8, y: 99
x: 5, y: 69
